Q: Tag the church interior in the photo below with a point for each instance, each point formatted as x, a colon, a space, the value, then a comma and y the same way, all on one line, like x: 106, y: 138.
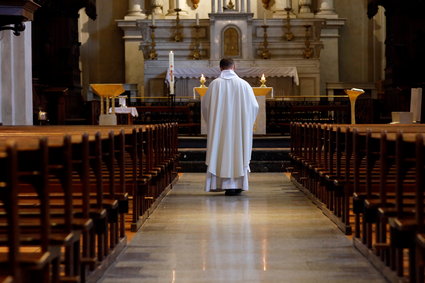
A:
x: 103, y: 143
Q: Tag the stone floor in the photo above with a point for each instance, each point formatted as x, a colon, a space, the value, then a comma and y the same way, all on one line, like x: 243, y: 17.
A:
x: 271, y: 233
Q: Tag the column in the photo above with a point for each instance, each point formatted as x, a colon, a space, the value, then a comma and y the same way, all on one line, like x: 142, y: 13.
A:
x: 213, y: 6
x: 326, y: 9
x: 16, y: 78
x: 248, y: 6
x: 135, y: 9
x: 220, y: 6
x: 243, y: 6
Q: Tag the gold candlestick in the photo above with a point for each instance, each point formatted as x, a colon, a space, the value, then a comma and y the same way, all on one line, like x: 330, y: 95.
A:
x: 353, y: 94
x: 178, y: 35
x: 202, y: 80
x: 308, y: 51
x: 263, y: 81
x: 196, y: 51
x: 152, y: 52
x: 288, y: 35
x: 265, y: 53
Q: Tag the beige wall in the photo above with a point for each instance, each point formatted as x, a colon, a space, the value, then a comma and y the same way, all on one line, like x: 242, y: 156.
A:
x: 102, y: 49
x: 356, y: 60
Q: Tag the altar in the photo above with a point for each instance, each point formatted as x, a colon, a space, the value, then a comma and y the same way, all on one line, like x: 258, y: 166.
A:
x: 260, y: 94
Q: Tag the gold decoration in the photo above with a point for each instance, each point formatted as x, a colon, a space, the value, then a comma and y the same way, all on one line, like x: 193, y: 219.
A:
x: 230, y: 6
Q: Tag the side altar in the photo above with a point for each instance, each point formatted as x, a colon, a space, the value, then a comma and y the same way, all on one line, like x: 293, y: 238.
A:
x: 260, y: 94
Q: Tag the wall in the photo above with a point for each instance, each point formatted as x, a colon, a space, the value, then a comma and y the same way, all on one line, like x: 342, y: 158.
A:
x: 361, y: 42
x: 102, y: 47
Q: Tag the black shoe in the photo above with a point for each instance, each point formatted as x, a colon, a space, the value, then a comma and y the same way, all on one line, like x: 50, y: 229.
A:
x: 231, y: 192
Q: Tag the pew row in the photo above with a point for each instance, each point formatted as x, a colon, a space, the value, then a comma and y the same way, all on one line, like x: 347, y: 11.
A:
x: 368, y: 180
x: 74, y: 186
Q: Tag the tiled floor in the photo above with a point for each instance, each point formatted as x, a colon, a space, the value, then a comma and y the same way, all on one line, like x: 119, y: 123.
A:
x: 271, y: 233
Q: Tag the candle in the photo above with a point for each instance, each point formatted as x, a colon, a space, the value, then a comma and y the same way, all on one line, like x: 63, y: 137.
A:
x: 265, y: 18
x: 153, y: 19
x: 263, y: 78
x: 171, y: 70
x: 177, y: 4
x: 289, y: 4
x: 197, y: 19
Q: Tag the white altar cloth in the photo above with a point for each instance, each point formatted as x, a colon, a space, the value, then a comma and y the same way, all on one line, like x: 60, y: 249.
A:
x: 126, y: 110
x: 195, y: 72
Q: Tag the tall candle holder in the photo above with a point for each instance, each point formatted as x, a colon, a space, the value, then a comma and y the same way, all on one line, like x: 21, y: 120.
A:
x: 178, y: 35
x: 152, y: 52
x: 288, y: 35
x: 265, y: 53
x: 308, y: 51
x: 196, y: 55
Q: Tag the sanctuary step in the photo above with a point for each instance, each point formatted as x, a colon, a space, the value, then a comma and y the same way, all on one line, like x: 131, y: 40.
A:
x: 269, y: 153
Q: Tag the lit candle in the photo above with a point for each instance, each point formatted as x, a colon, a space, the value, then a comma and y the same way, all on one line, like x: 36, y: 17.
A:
x: 263, y: 78
x: 197, y: 19
x: 153, y: 19
x: 171, y: 70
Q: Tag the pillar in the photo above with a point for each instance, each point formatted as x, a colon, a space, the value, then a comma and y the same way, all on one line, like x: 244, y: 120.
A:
x: 305, y: 9
x: 326, y: 9
x: 135, y: 9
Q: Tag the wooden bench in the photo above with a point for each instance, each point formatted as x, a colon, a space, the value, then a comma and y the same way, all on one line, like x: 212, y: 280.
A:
x: 77, y: 167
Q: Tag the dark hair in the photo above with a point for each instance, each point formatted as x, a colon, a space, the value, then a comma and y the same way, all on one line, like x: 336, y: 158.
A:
x: 226, y: 63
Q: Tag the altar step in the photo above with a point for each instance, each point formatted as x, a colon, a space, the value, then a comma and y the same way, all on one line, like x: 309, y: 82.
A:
x: 269, y: 153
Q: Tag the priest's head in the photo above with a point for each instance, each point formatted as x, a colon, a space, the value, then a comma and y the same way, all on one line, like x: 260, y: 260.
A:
x: 227, y: 64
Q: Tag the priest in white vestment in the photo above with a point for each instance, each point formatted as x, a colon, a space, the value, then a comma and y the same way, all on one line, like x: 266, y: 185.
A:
x: 229, y: 108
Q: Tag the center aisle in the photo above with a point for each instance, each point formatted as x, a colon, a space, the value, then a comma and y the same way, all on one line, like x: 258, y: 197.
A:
x: 271, y: 233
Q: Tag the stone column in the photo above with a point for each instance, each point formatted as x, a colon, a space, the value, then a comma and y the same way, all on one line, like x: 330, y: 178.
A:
x: 326, y: 9
x: 16, y: 78
x: 243, y: 6
x: 134, y: 9
x: 248, y: 6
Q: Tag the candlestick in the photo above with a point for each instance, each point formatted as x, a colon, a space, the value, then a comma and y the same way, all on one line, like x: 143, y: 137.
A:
x: 196, y: 50
x: 263, y: 81
x: 288, y: 35
x: 289, y: 4
x: 308, y: 51
x: 265, y: 53
x: 177, y: 35
x: 152, y: 52
x: 202, y: 80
